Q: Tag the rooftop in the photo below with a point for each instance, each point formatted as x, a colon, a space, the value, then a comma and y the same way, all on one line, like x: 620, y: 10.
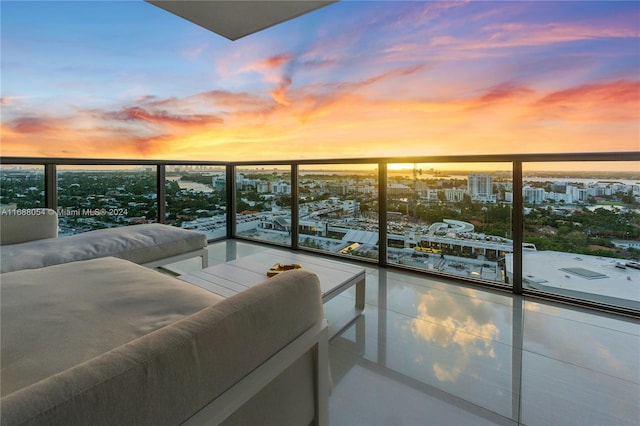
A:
x: 608, y: 279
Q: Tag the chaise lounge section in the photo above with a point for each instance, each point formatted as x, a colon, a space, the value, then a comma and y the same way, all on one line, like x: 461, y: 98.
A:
x: 31, y: 241
x: 106, y: 342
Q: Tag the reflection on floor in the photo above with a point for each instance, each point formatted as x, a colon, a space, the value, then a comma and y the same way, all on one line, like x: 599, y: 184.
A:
x: 428, y: 352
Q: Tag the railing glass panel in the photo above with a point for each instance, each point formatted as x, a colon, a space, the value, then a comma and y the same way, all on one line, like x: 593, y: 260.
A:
x: 196, y: 199
x: 96, y: 197
x: 338, y: 209
x: 263, y: 203
x: 451, y: 218
x: 21, y: 187
x: 584, y: 220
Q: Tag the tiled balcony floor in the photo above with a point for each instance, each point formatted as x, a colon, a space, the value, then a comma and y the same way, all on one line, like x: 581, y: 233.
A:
x: 428, y: 352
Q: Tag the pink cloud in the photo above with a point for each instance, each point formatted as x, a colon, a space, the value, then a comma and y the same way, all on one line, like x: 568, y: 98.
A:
x: 233, y: 100
x: 504, y: 91
x: 617, y: 100
x: 8, y: 100
x: 268, y: 64
x: 622, y: 91
x: 527, y: 34
x: 161, y: 117
x: 31, y: 124
x: 280, y: 93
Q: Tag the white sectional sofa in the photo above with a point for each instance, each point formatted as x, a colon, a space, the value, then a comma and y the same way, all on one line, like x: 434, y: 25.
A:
x: 31, y: 241
x: 106, y: 341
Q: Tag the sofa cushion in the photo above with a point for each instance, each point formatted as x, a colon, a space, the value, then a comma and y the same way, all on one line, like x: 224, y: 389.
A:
x: 57, y: 317
x: 137, y: 243
x: 19, y: 226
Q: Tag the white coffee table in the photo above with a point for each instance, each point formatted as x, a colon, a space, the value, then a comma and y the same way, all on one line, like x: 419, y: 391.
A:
x: 229, y: 278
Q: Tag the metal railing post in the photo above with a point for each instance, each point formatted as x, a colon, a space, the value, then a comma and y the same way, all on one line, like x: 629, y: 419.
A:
x: 517, y: 221
x: 50, y: 187
x: 382, y: 213
x: 295, y: 218
x: 161, y: 179
x: 231, y: 200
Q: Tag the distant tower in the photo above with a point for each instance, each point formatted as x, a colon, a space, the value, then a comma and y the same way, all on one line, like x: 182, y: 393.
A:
x: 480, y: 187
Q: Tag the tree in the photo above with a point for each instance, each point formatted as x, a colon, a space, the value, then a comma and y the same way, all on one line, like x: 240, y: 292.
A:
x: 284, y: 201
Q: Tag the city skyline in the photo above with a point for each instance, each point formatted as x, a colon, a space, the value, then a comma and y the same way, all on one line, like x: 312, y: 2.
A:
x: 354, y: 79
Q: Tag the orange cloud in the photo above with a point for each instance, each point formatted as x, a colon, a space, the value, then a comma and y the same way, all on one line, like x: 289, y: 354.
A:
x: 161, y: 117
x: 270, y: 67
x: 505, y: 92
x: 233, y: 100
x: 8, y: 100
x: 273, y: 61
x: 280, y: 93
x: 621, y: 91
x: 611, y: 101
x: 30, y: 124
x: 69, y: 142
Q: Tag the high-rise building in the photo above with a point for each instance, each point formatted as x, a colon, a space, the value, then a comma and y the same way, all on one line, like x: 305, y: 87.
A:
x: 534, y: 195
x: 480, y: 188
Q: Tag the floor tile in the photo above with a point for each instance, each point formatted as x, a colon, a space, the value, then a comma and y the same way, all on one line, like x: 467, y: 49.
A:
x: 558, y: 393
x: 368, y: 395
x: 593, y: 347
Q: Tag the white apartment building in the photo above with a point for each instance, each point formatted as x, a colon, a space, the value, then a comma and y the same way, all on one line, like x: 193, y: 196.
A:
x: 508, y: 197
x: 280, y: 187
x: 452, y: 194
x: 431, y: 194
x: 480, y: 188
x: 577, y: 194
x: 533, y: 195
x: 263, y: 187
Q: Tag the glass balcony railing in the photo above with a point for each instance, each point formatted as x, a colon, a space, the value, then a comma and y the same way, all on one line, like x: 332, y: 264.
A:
x: 338, y: 209
x: 21, y: 186
x: 585, y: 223
x: 263, y: 203
x: 563, y: 226
x: 96, y: 197
x: 454, y: 219
x: 196, y: 199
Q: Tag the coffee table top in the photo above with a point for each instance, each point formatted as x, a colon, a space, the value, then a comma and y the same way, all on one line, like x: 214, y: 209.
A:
x: 229, y: 278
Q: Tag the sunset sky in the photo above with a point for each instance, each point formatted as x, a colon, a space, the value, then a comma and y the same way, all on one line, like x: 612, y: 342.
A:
x: 125, y: 79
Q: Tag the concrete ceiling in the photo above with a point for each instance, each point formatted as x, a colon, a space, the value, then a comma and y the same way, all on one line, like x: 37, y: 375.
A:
x: 239, y: 18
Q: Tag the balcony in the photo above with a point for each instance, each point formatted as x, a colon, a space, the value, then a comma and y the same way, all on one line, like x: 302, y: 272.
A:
x: 463, y: 323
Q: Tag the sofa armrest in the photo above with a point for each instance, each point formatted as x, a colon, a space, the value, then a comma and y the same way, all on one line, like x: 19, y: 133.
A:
x: 316, y: 339
x: 21, y: 226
